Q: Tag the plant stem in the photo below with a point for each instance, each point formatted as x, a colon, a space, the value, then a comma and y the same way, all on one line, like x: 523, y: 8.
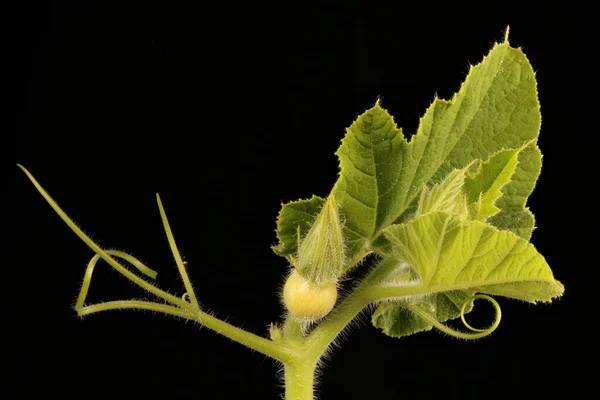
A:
x: 275, y: 350
x: 299, y: 380
x: 322, y: 337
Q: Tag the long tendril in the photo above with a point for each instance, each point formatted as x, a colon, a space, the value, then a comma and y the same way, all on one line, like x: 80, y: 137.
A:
x: 462, y: 335
x: 101, y: 252
x: 177, y: 256
x: 87, y: 277
x: 135, y: 304
x: 186, y: 307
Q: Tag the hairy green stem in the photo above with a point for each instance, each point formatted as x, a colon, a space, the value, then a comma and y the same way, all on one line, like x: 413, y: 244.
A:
x: 322, y: 336
x: 299, y: 381
x: 278, y: 351
x: 254, y: 342
x: 363, y: 295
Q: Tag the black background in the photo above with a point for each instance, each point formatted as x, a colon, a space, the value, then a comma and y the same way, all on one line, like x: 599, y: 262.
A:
x: 227, y: 112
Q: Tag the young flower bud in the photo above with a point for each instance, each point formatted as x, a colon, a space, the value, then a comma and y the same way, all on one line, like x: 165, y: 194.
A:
x: 321, y: 253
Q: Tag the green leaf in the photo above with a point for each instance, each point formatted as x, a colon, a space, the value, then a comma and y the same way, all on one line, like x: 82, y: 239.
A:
x: 295, y: 218
x: 396, y: 320
x: 515, y: 217
x: 456, y: 259
x: 449, y: 254
x: 382, y: 174
x: 446, y: 196
x: 484, y: 187
x: 371, y: 157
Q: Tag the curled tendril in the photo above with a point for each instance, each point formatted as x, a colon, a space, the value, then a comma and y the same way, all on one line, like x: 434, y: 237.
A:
x: 461, y: 335
x: 87, y: 278
x: 186, y: 297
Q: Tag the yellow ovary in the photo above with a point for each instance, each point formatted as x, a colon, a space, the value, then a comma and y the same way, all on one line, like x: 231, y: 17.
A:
x: 307, y: 301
